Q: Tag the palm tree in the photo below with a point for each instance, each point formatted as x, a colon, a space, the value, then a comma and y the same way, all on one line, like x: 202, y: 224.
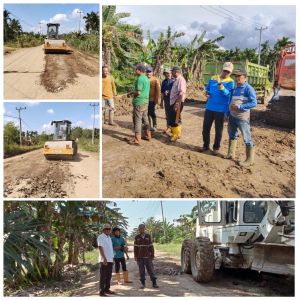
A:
x: 92, y: 22
x: 15, y: 26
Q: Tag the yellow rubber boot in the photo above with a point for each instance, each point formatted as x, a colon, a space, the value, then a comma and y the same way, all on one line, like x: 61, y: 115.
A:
x: 175, y: 134
x: 126, y: 277
x: 118, y: 276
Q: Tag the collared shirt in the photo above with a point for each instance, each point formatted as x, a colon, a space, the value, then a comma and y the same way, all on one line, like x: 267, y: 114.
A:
x: 179, y: 87
x: 118, y: 241
x: 105, y: 242
x: 166, y: 85
x: 154, y: 94
x: 143, y: 247
x: 142, y: 84
x: 108, y: 88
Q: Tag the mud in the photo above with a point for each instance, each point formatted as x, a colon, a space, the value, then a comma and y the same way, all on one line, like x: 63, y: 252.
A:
x: 178, y: 170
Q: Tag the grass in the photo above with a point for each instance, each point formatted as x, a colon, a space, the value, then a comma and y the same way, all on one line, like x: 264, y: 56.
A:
x: 85, y: 42
x: 14, y: 149
x: 86, y: 144
x: 172, y: 249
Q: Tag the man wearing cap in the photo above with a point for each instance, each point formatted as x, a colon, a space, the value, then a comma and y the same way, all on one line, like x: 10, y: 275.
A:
x: 218, y: 89
x: 120, y: 249
x: 154, y: 98
x: 243, y: 99
x: 106, y: 259
x: 140, y: 105
x: 177, y: 97
x: 166, y: 87
x: 144, y: 255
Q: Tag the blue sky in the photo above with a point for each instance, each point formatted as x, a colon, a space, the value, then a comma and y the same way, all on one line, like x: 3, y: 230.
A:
x: 236, y: 23
x: 38, y: 115
x: 139, y: 211
x: 30, y: 15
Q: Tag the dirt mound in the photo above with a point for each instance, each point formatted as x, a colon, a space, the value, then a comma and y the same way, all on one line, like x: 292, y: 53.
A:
x: 123, y: 105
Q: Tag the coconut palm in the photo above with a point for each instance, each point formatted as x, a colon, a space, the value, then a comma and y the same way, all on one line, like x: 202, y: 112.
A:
x: 92, y: 22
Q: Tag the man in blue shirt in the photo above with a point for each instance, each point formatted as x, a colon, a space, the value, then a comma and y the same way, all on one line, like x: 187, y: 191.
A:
x: 166, y: 87
x: 120, y: 249
x: 218, y: 89
x: 243, y: 99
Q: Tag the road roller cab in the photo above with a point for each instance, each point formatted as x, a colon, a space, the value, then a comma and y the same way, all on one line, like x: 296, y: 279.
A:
x: 62, y: 145
x: 52, y: 43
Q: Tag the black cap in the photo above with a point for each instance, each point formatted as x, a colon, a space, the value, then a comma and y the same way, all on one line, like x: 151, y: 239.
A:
x: 176, y: 69
x: 141, y: 68
x: 239, y: 72
x: 116, y: 229
x: 149, y: 69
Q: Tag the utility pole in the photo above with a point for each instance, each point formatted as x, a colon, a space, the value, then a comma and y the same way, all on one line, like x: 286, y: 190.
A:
x: 164, y: 221
x: 40, y: 23
x: 94, y: 108
x: 20, y: 120
x: 261, y: 29
x: 80, y: 12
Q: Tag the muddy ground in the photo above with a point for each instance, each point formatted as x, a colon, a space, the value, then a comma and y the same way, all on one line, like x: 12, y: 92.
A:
x: 30, y: 175
x: 172, y: 282
x: 178, y: 170
x: 31, y: 74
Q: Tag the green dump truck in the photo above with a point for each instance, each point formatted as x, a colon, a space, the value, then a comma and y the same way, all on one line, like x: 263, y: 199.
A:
x: 257, y: 75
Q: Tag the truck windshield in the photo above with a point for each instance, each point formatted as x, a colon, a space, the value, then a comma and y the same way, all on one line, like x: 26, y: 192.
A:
x: 254, y: 211
x: 60, y: 132
x: 211, y: 210
x: 52, y: 32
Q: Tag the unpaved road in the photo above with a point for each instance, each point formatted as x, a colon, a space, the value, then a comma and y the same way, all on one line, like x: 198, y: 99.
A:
x: 30, y: 175
x: 160, y: 168
x: 172, y: 283
x: 31, y: 74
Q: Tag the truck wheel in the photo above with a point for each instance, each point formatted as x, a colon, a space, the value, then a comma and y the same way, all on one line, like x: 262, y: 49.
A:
x: 202, y: 260
x: 186, y: 249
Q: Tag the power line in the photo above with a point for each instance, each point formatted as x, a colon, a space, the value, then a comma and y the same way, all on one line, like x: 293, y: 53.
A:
x: 261, y: 29
x: 20, y: 120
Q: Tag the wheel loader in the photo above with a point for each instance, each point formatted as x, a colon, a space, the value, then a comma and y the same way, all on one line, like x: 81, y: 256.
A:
x: 255, y: 235
x: 62, y: 146
x: 52, y: 44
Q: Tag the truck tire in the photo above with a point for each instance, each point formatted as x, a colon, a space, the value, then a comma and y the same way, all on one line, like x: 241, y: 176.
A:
x: 202, y: 260
x: 186, y: 249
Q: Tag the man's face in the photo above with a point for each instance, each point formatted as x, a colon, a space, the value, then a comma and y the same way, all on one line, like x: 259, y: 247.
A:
x: 167, y: 75
x: 225, y: 73
x: 117, y: 233
x: 240, y: 79
x: 175, y: 74
x: 107, y: 231
x: 142, y: 230
x: 149, y: 74
x: 105, y: 72
x: 138, y: 72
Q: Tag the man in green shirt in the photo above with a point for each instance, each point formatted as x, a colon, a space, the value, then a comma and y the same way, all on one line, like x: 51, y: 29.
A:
x: 140, y: 105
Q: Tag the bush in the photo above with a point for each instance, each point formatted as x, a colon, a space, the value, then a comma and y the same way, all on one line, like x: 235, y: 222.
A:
x: 14, y: 149
x: 86, y: 144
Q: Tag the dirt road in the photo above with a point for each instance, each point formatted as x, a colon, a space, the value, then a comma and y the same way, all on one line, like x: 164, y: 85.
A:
x: 30, y: 74
x: 30, y: 175
x: 177, y: 170
x: 172, y: 283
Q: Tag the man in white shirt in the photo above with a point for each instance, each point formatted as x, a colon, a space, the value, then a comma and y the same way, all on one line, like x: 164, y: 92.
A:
x: 106, y: 258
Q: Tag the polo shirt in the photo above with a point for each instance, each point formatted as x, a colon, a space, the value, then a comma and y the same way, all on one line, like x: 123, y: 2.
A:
x: 105, y: 242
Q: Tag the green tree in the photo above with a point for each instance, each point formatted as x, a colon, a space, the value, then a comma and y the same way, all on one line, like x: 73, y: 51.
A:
x: 92, y: 22
x: 11, y: 133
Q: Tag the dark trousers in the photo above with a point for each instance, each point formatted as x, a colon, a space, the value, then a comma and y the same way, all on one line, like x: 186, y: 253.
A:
x: 105, y: 276
x: 209, y: 118
x: 146, y: 263
x: 118, y: 262
x: 172, y: 115
x: 167, y: 107
x: 152, y: 114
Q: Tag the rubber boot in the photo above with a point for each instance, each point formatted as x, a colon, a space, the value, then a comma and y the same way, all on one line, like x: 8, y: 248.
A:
x: 249, y: 157
x: 179, y: 131
x: 126, y: 277
x: 111, y: 118
x: 154, y: 284
x: 175, y: 134
x: 118, y: 277
x: 231, y: 149
x: 142, y: 284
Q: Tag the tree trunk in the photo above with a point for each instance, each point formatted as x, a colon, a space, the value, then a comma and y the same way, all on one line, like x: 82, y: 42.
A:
x: 106, y: 56
x: 71, y: 246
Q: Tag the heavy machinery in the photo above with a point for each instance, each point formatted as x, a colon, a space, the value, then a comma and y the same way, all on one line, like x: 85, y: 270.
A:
x: 256, y: 235
x: 281, y: 109
x: 52, y: 43
x: 62, y: 146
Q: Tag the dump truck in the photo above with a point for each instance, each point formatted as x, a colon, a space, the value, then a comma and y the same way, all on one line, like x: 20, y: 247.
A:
x: 257, y: 75
x: 62, y: 146
x: 281, y: 109
x: 255, y: 235
x: 52, y: 44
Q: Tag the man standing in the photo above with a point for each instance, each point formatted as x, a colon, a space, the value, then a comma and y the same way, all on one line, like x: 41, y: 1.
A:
x: 177, y: 97
x: 120, y: 249
x: 106, y: 260
x: 218, y: 89
x: 243, y: 99
x: 140, y: 105
x: 109, y: 91
x: 166, y: 87
x: 154, y: 98
x: 144, y: 255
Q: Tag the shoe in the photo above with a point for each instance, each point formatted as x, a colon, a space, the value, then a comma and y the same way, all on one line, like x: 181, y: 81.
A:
x: 126, y: 277
x: 249, y: 157
x: 231, y: 149
x: 175, y: 133
x: 102, y: 294
x: 111, y: 118
x: 204, y: 150
x: 215, y: 152
x: 109, y: 292
x: 154, y: 284
x: 142, y: 286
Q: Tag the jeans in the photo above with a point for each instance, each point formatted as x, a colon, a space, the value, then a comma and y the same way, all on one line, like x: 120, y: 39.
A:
x: 244, y: 126
x: 140, y: 117
x: 148, y: 264
x: 172, y: 115
x: 119, y: 261
x: 105, y: 276
x: 209, y: 118
x: 167, y: 107
x: 152, y: 114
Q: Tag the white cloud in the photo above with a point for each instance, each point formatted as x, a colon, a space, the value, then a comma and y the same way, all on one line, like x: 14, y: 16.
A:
x: 47, y: 128
x: 59, y: 18
x: 50, y: 111
x: 79, y: 123
x: 75, y: 13
x: 32, y: 103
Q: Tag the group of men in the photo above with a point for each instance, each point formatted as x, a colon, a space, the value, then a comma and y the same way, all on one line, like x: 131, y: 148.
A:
x: 227, y: 100
x: 113, y: 249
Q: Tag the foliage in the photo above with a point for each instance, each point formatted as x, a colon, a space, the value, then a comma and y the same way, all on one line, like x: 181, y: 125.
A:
x: 172, y: 249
